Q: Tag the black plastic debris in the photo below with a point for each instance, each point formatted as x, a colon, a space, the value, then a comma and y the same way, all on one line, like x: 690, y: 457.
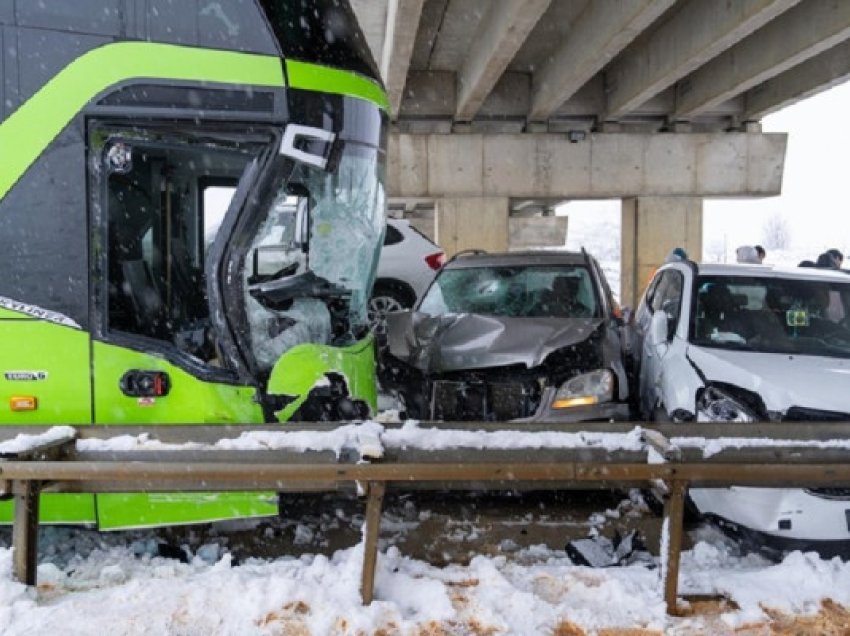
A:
x: 602, y: 552
x: 169, y: 551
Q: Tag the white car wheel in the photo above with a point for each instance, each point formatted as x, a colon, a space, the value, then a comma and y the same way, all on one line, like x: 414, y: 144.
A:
x: 379, y: 307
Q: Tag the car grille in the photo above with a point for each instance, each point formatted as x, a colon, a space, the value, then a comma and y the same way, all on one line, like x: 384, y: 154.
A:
x: 483, y: 401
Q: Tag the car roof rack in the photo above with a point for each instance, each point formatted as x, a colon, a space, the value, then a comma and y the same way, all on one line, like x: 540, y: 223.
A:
x: 469, y: 252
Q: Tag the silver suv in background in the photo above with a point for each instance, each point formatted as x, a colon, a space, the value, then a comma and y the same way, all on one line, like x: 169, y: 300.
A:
x: 409, y: 261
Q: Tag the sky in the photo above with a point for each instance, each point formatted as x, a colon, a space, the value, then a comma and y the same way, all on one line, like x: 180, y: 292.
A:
x: 815, y: 197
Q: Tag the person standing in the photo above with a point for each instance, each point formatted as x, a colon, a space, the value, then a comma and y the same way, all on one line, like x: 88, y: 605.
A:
x: 830, y: 259
x: 747, y: 254
x: 761, y: 253
x: 837, y: 257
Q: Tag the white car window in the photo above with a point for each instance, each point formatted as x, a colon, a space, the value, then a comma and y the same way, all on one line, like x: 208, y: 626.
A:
x: 773, y: 315
x: 668, y: 294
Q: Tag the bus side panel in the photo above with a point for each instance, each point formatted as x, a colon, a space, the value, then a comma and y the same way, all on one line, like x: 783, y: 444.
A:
x: 57, y: 509
x: 44, y: 258
x: 47, y: 362
x: 57, y: 358
x: 145, y: 510
x: 190, y: 400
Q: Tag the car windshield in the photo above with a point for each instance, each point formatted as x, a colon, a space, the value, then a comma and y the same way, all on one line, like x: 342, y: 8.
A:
x: 773, y: 315
x: 557, y: 291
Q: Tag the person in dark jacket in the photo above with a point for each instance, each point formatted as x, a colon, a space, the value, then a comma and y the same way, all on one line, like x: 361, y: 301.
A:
x: 831, y: 259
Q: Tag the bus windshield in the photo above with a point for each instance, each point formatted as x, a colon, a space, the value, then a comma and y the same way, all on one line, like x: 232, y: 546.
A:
x: 313, y: 259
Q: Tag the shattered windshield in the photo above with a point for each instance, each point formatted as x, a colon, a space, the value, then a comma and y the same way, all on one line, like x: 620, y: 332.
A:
x: 347, y: 220
x: 317, y: 251
x: 773, y: 315
x: 556, y: 291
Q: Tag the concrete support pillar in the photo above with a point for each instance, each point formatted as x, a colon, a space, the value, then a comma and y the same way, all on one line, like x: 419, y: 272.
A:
x: 464, y: 223
x: 651, y: 227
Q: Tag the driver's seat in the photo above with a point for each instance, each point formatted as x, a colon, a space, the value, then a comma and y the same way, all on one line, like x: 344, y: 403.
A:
x: 144, y: 296
x: 718, y: 310
x: 563, y: 298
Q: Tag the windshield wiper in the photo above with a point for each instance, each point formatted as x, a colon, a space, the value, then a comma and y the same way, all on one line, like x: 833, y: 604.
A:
x: 724, y: 344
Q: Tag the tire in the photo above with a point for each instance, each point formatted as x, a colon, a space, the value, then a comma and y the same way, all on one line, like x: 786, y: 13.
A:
x: 386, y: 297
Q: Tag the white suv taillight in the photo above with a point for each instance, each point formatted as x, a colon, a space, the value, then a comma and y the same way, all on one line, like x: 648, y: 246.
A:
x: 435, y: 261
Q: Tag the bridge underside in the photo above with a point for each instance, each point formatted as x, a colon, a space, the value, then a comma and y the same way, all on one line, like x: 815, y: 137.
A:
x: 636, y: 99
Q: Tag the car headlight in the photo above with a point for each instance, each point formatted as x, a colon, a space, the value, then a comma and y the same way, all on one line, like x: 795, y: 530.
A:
x: 716, y: 406
x: 587, y: 388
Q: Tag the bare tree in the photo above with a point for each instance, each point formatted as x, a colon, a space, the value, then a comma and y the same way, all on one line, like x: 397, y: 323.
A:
x: 775, y: 232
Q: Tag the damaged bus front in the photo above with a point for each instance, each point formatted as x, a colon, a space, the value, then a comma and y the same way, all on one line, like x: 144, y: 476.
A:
x: 194, y: 216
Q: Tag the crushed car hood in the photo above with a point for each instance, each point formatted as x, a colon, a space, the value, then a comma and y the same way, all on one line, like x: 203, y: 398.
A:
x: 455, y: 342
x: 782, y: 380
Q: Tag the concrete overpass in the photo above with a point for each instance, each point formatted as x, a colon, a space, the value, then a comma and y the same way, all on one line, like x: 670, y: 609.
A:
x: 504, y: 107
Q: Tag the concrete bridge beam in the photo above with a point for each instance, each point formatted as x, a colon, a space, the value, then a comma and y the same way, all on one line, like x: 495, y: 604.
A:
x: 603, y: 29
x: 806, y: 30
x: 606, y: 165
x: 813, y: 76
x: 390, y: 29
x: 695, y: 34
x: 500, y: 36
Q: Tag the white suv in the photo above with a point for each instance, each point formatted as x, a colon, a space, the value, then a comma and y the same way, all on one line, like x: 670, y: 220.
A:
x: 745, y: 343
x: 409, y: 261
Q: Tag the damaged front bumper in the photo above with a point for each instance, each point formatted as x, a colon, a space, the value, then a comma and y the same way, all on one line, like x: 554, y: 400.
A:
x: 780, y: 518
x: 511, y: 402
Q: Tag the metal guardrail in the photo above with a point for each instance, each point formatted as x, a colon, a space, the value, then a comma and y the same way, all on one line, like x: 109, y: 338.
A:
x: 58, y: 466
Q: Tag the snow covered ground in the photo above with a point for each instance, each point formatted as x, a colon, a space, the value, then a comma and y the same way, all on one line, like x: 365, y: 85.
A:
x: 94, y: 583
x: 214, y: 581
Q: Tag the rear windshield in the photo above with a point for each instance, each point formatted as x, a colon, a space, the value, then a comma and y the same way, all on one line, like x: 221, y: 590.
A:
x: 558, y: 291
x: 773, y: 315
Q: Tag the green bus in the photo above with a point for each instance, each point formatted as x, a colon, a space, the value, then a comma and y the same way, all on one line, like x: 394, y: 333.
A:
x: 191, y: 212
